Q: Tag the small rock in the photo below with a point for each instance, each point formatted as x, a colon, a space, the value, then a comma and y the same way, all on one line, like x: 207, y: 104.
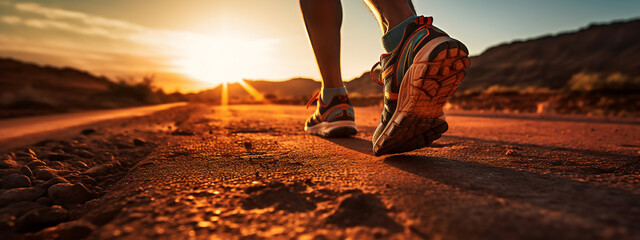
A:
x: 30, y: 152
x: 44, y: 201
x: 58, y: 156
x: 103, y: 169
x: 74, y: 230
x: 88, y: 131
x: 248, y: 145
x: 20, y: 194
x: 8, y: 163
x: 138, y: 142
x: 79, y: 164
x: 16, y: 181
x: 18, y: 209
x: 511, y: 152
x: 36, y: 163
x: 84, y: 153
x: 6, y: 223
x: 44, y: 173
x: 27, y: 171
x: 41, y: 218
x: 56, y: 165
x: 182, y: 132
x: 26, y: 158
x: 67, y: 193
x: 54, y: 181
x: 44, y: 143
x: 88, y: 180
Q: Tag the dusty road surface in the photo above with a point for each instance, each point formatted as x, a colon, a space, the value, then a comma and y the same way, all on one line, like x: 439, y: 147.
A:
x: 250, y: 172
x: 12, y: 129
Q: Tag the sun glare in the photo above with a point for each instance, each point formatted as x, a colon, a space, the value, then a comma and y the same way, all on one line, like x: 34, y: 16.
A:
x: 216, y: 60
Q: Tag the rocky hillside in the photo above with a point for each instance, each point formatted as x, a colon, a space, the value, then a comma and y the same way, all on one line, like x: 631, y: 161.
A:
x: 30, y: 89
x: 20, y: 81
x: 552, y: 61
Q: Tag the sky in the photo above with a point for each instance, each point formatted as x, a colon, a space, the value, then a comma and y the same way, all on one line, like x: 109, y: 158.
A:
x: 212, y: 41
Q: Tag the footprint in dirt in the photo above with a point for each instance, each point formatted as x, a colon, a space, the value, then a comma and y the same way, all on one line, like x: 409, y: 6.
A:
x: 362, y: 209
x: 280, y: 196
x: 355, y: 208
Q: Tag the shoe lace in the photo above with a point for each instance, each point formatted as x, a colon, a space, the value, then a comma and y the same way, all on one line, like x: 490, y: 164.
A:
x: 372, y: 75
x: 421, y: 20
x: 316, y: 97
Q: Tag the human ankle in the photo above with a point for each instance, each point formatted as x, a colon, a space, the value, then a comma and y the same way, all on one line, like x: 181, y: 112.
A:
x: 392, y: 38
x: 326, y: 94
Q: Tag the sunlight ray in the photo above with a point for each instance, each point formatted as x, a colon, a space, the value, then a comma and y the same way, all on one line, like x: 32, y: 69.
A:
x: 224, y: 101
x: 252, y: 91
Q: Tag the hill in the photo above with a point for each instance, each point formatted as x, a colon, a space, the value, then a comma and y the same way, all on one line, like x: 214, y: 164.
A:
x: 292, y: 91
x: 552, y: 61
x: 30, y: 89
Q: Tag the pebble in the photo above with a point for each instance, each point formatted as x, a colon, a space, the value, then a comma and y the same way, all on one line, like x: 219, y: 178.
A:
x: 36, y: 163
x: 84, y: 153
x: 124, y: 146
x: 27, y: 171
x: 44, y: 201
x: 44, y: 173
x: 16, y: 181
x: 41, y: 218
x: 138, y: 142
x: 18, y: 209
x: 54, y: 181
x: 30, y: 152
x: 6, y: 223
x: 67, y: 193
x: 26, y: 156
x: 88, y: 131
x: 58, y: 156
x: 74, y: 230
x: 8, y: 163
x: 88, y: 180
x: 56, y: 165
x: 20, y: 194
x: 102, y: 169
x: 79, y: 164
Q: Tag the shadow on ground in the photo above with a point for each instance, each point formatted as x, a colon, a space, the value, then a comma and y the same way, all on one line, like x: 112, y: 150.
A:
x: 354, y: 143
x: 608, y: 206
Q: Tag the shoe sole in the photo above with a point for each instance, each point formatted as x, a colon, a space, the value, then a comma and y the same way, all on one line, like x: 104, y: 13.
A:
x: 333, y: 129
x: 437, y: 70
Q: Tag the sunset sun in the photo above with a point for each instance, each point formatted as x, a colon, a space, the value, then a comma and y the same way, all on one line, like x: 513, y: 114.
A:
x: 219, y: 59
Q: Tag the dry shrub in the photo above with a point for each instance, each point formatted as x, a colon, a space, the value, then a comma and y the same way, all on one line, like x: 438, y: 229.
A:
x: 588, y: 82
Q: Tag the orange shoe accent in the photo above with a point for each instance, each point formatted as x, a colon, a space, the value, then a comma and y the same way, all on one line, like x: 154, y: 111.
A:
x: 390, y: 95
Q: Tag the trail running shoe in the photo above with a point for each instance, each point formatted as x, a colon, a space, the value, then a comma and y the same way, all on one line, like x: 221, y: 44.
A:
x: 332, y: 120
x: 418, y: 76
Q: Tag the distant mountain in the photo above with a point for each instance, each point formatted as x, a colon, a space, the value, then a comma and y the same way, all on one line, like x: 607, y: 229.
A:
x: 551, y: 61
x: 30, y: 89
x: 20, y: 81
x: 293, y: 90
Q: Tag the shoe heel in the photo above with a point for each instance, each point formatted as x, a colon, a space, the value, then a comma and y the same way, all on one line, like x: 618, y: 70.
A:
x: 434, y: 76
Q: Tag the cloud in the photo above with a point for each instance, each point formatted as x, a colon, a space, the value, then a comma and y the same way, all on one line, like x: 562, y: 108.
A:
x: 85, y: 24
x: 95, y: 21
x: 178, y: 51
x: 13, y: 20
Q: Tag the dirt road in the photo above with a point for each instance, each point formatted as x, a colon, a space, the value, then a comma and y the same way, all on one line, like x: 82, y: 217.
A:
x: 12, y: 129
x: 250, y: 172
